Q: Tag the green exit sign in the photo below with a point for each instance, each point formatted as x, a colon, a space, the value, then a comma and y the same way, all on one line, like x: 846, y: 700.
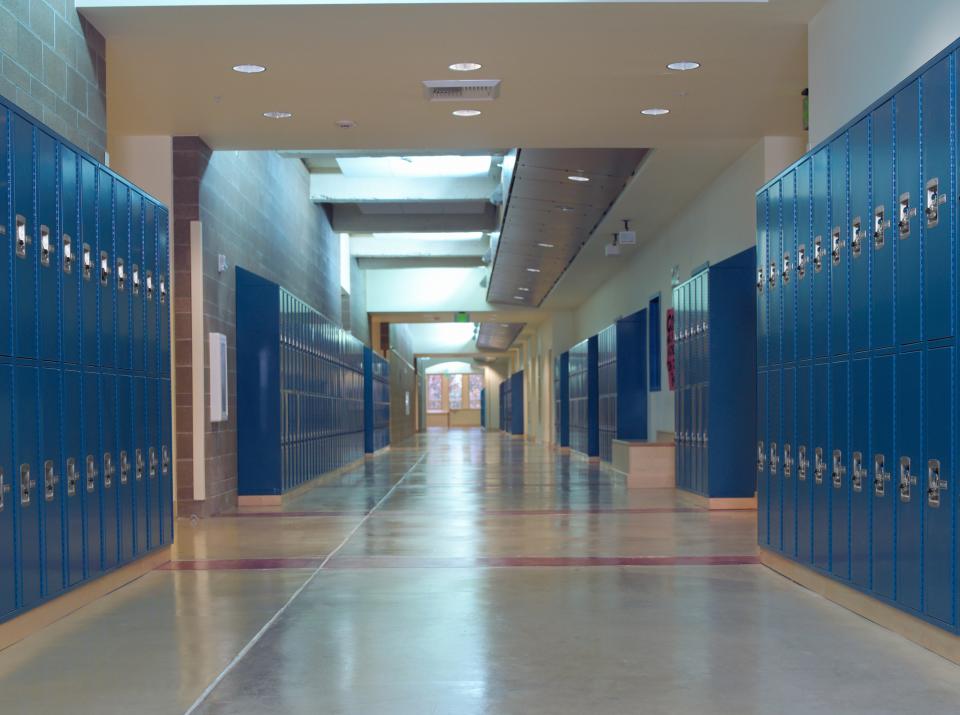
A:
x: 461, y: 317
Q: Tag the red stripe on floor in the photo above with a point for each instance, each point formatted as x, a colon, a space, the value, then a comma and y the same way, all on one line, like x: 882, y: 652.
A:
x: 291, y: 513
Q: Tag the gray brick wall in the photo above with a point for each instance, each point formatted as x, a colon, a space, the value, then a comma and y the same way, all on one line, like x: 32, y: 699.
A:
x: 52, y: 65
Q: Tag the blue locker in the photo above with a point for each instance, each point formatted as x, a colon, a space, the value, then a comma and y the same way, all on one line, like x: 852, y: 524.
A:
x: 121, y: 277
x: 804, y: 467
x: 149, y: 281
x: 774, y: 503
x: 788, y: 283
x: 72, y: 474
x: 25, y: 230
x: 92, y: 485
x: 762, y: 291
x: 763, y: 475
x: 939, y: 536
x: 803, y: 261
x: 789, y: 485
x: 908, y: 226
x: 87, y: 264
x: 166, y: 462
x: 839, y: 248
x: 105, y: 245
x: 49, y: 482
x: 26, y: 427
x: 884, y: 489
x: 138, y: 315
x: 910, y: 482
x: 163, y: 306
x: 820, y: 259
x: 774, y: 255
x: 126, y: 459
x: 48, y: 305
x: 821, y: 468
x: 157, y: 531
x: 141, y: 483
x: 860, y: 473
x: 7, y: 229
x: 108, y: 468
x: 8, y: 497
x: 839, y: 471
x: 883, y: 234
x: 68, y: 264
x: 938, y: 201
x: 860, y: 243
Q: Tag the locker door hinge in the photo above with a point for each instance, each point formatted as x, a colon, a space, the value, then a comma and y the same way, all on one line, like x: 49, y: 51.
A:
x: 165, y: 457
x: 109, y: 470
x: 50, y: 480
x: 149, y: 285
x: 139, y: 463
x: 839, y: 471
x: 124, y: 467
x: 26, y: 484
x: 4, y: 489
x: 785, y: 272
x: 73, y: 476
x: 153, y: 462
x: 880, y: 225
x: 47, y: 247
x: 935, y: 200
x: 836, y: 243
x: 92, y: 473
x: 818, y: 254
x: 907, y: 479
x: 121, y: 275
x: 819, y: 466
x: 67, y: 253
x: 907, y: 212
x: 880, y: 475
x: 787, y: 462
x: 774, y: 459
x: 104, y: 268
x: 23, y: 240
x: 935, y: 484
x: 856, y: 237
x: 135, y: 280
x: 761, y: 457
x: 803, y: 464
x: 801, y: 262
x: 859, y: 472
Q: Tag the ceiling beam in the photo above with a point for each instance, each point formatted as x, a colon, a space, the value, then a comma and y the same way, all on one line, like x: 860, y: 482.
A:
x: 350, y: 219
x: 340, y: 189
x: 371, y: 246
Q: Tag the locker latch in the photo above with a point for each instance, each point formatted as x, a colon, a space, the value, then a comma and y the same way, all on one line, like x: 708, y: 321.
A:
x: 772, y: 276
x: 859, y: 472
x: 124, y: 467
x: 880, y: 226
x: 801, y: 262
x: 839, y: 471
x: 935, y: 484
x: 109, y: 470
x: 761, y: 457
x: 153, y: 462
x: 135, y: 276
x: 856, y: 237
x: 149, y: 285
x: 934, y: 201
x: 165, y: 457
x: 163, y: 290
x: 91, y: 473
x: 785, y: 272
x: 50, y: 480
x: 87, y: 261
x: 803, y: 464
x: 4, y: 489
x: 139, y: 460
x: 907, y: 479
x: 23, y: 240
x: 121, y: 275
x: 819, y: 466
x: 73, y: 476
x: 787, y: 462
x: 104, y: 268
x: 774, y: 459
x: 67, y: 254
x: 818, y: 254
x: 907, y: 212
x: 26, y: 484
x: 836, y: 243
x: 46, y: 246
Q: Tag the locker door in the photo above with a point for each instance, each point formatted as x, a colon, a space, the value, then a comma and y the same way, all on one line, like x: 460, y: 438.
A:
x: 937, y: 202
x: 774, y: 441
x: 939, y: 545
x: 839, y: 247
x: 49, y: 483
x: 909, y: 476
x: 820, y: 258
x: 704, y: 439
x: 92, y: 486
x: 67, y: 260
x: 109, y: 470
x: 150, y: 285
x: 804, y: 467
x: 789, y: 485
x: 839, y: 467
x: 763, y: 476
x: 678, y: 438
x: 860, y: 473
x: 48, y: 305
x: 121, y: 273
x: 152, y: 434
x: 859, y: 223
x: 762, y: 292
x: 8, y: 496
x: 141, y: 483
x: 25, y: 241
x: 774, y: 254
x: 104, y: 269
x: 788, y: 283
x: 72, y: 473
x: 907, y: 225
x: 163, y: 286
x: 820, y: 461
x: 7, y: 231
x: 803, y: 261
x: 137, y: 302
x: 884, y: 489
x: 166, y: 463
x: 87, y: 261
x: 125, y: 460
x: 883, y: 234
x: 26, y: 427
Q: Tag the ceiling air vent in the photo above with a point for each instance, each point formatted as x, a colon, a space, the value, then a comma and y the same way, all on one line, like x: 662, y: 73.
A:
x: 461, y: 90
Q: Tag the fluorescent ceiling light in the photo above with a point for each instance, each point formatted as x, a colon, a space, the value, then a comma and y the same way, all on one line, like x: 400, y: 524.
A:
x: 525, y: 290
x: 277, y: 115
x: 655, y: 111
x: 467, y: 112
x: 415, y: 167
x: 465, y: 66
x: 578, y: 177
x: 533, y: 270
x: 249, y: 69
x: 683, y: 66
x: 518, y: 297
x: 461, y: 236
x: 545, y: 245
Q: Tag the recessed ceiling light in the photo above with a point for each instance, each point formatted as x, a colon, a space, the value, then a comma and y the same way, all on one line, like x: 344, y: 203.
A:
x: 567, y: 209
x: 578, y: 177
x: 525, y: 290
x: 467, y: 112
x: 533, y: 270
x: 545, y: 245
x: 655, y: 111
x: 518, y: 297
x: 465, y: 66
x: 277, y: 115
x: 683, y: 66
x: 249, y: 69
x: 346, y: 123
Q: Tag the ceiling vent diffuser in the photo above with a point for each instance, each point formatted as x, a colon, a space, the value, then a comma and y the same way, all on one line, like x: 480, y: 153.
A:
x: 461, y: 90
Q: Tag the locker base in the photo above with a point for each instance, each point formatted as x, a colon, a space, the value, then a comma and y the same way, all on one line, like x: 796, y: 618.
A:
x: 924, y: 634
x: 262, y: 500
x: 563, y: 450
x: 371, y: 455
x: 647, y: 465
x: 722, y: 503
x: 43, y: 615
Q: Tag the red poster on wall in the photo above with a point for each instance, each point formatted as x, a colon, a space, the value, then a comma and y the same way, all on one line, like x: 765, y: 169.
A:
x: 671, y: 374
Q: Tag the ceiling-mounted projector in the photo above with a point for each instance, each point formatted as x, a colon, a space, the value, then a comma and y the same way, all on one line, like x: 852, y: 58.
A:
x: 626, y: 237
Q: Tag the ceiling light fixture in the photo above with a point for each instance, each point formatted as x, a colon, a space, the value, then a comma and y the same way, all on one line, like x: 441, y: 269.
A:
x: 655, y: 111
x: 346, y: 123
x: 545, y: 245
x: 683, y: 66
x: 518, y: 297
x: 465, y: 66
x: 467, y: 113
x: 277, y: 115
x: 525, y: 290
x: 249, y: 69
x: 567, y: 209
x: 579, y: 177
x: 533, y: 270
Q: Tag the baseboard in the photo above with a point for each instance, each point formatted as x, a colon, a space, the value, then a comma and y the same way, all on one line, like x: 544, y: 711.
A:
x: 937, y: 640
x: 723, y: 503
x: 264, y: 500
x: 376, y: 453
x: 43, y: 615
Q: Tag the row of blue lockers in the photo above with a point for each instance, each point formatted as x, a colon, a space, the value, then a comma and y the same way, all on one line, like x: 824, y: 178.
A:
x: 86, y: 260
x: 857, y: 242
x: 376, y: 386
x: 715, y: 318
x: 584, y: 397
x: 855, y: 298
x: 511, y: 404
x: 561, y: 400
x: 309, y: 331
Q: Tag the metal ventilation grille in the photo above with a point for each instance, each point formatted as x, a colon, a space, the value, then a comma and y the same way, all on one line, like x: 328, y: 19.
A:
x: 459, y: 90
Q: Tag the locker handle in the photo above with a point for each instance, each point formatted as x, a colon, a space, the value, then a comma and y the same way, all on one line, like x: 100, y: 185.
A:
x: 761, y: 457
x: 785, y: 272
x: 934, y: 201
x: 839, y: 471
x: 153, y: 462
x: 772, y: 277
x: 121, y: 275
x: 818, y: 254
x: 72, y: 476
x: 907, y: 212
x: 4, y: 489
x: 149, y: 285
x: 104, y: 268
x: 26, y: 484
x: 935, y: 484
x: 819, y: 466
x: 109, y: 470
x: 880, y: 226
x: 135, y: 279
x: 801, y: 262
x: 760, y: 280
x: 124, y: 467
x: 858, y: 472
x: 165, y: 459
x: 139, y: 462
x: 47, y: 247
x: 23, y: 240
x: 836, y: 244
x: 50, y: 480
x: 774, y: 459
x: 787, y: 461
x: 907, y: 479
x: 67, y: 253
x: 803, y: 464
x: 163, y: 290
x: 856, y: 240
x: 92, y: 473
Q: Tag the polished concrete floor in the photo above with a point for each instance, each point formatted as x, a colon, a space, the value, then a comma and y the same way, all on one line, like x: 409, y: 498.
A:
x: 467, y: 573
